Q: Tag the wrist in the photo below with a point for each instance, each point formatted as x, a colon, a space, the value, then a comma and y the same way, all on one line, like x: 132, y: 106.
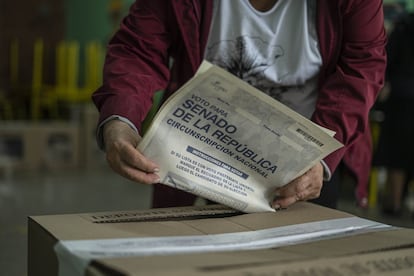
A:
x: 116, y: 129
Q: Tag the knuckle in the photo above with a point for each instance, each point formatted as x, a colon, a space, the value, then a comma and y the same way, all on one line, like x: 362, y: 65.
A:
x: 300, y: 187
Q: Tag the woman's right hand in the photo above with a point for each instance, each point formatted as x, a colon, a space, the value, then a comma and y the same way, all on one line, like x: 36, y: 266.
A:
x: 122, y: 155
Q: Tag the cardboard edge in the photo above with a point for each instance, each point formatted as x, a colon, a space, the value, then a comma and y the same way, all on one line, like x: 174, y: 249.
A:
x: 40, y: 262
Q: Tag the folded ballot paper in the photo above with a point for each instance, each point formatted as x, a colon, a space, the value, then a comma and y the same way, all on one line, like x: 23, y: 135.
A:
x: 221, y: 139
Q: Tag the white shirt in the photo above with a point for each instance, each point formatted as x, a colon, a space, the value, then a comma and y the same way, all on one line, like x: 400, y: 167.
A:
x: 276, y: 51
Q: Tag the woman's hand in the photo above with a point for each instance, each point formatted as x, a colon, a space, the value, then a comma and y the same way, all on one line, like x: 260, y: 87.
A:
x: 123, y: 157
x: 305, y: 187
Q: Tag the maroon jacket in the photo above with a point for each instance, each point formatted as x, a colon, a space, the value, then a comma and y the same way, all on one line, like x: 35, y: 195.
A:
x: 352, y: 44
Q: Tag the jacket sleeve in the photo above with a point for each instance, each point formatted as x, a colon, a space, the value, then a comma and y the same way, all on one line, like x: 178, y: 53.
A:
x: 136, y: 63
x: 353, y: 76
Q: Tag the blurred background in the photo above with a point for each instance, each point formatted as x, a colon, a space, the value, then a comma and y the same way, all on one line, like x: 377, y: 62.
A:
x: 51, y: 56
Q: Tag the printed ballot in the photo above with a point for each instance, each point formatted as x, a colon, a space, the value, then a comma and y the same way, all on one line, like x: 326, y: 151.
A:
x: 221, y: 139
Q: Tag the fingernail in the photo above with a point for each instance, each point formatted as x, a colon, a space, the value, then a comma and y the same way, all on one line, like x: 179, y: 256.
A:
x: 276, y: 206
x: 156, y: 170
x: 157, y: 180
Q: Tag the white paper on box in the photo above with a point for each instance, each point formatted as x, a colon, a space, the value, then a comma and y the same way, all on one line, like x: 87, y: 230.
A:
x: 74, y: 255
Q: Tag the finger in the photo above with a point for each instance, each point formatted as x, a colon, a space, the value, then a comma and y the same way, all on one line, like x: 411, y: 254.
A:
x: 298, y: 190
x: 285, y: 201
x: 139, y: 176
x: 135, y: 159
x: 130, y: 163
x: 132, y: 173
x: 299, y: 186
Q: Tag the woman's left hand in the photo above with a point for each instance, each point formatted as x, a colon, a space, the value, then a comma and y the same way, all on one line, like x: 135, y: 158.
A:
x: 305, y: 187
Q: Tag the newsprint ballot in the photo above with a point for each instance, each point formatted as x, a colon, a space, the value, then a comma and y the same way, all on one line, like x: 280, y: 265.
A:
x: 224, y: 140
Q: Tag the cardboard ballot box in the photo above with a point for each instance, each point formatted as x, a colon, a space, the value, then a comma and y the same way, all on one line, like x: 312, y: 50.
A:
x: 305, y: 239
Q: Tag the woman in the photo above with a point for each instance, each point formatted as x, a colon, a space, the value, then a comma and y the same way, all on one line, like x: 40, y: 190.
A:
x: 325, y: 59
